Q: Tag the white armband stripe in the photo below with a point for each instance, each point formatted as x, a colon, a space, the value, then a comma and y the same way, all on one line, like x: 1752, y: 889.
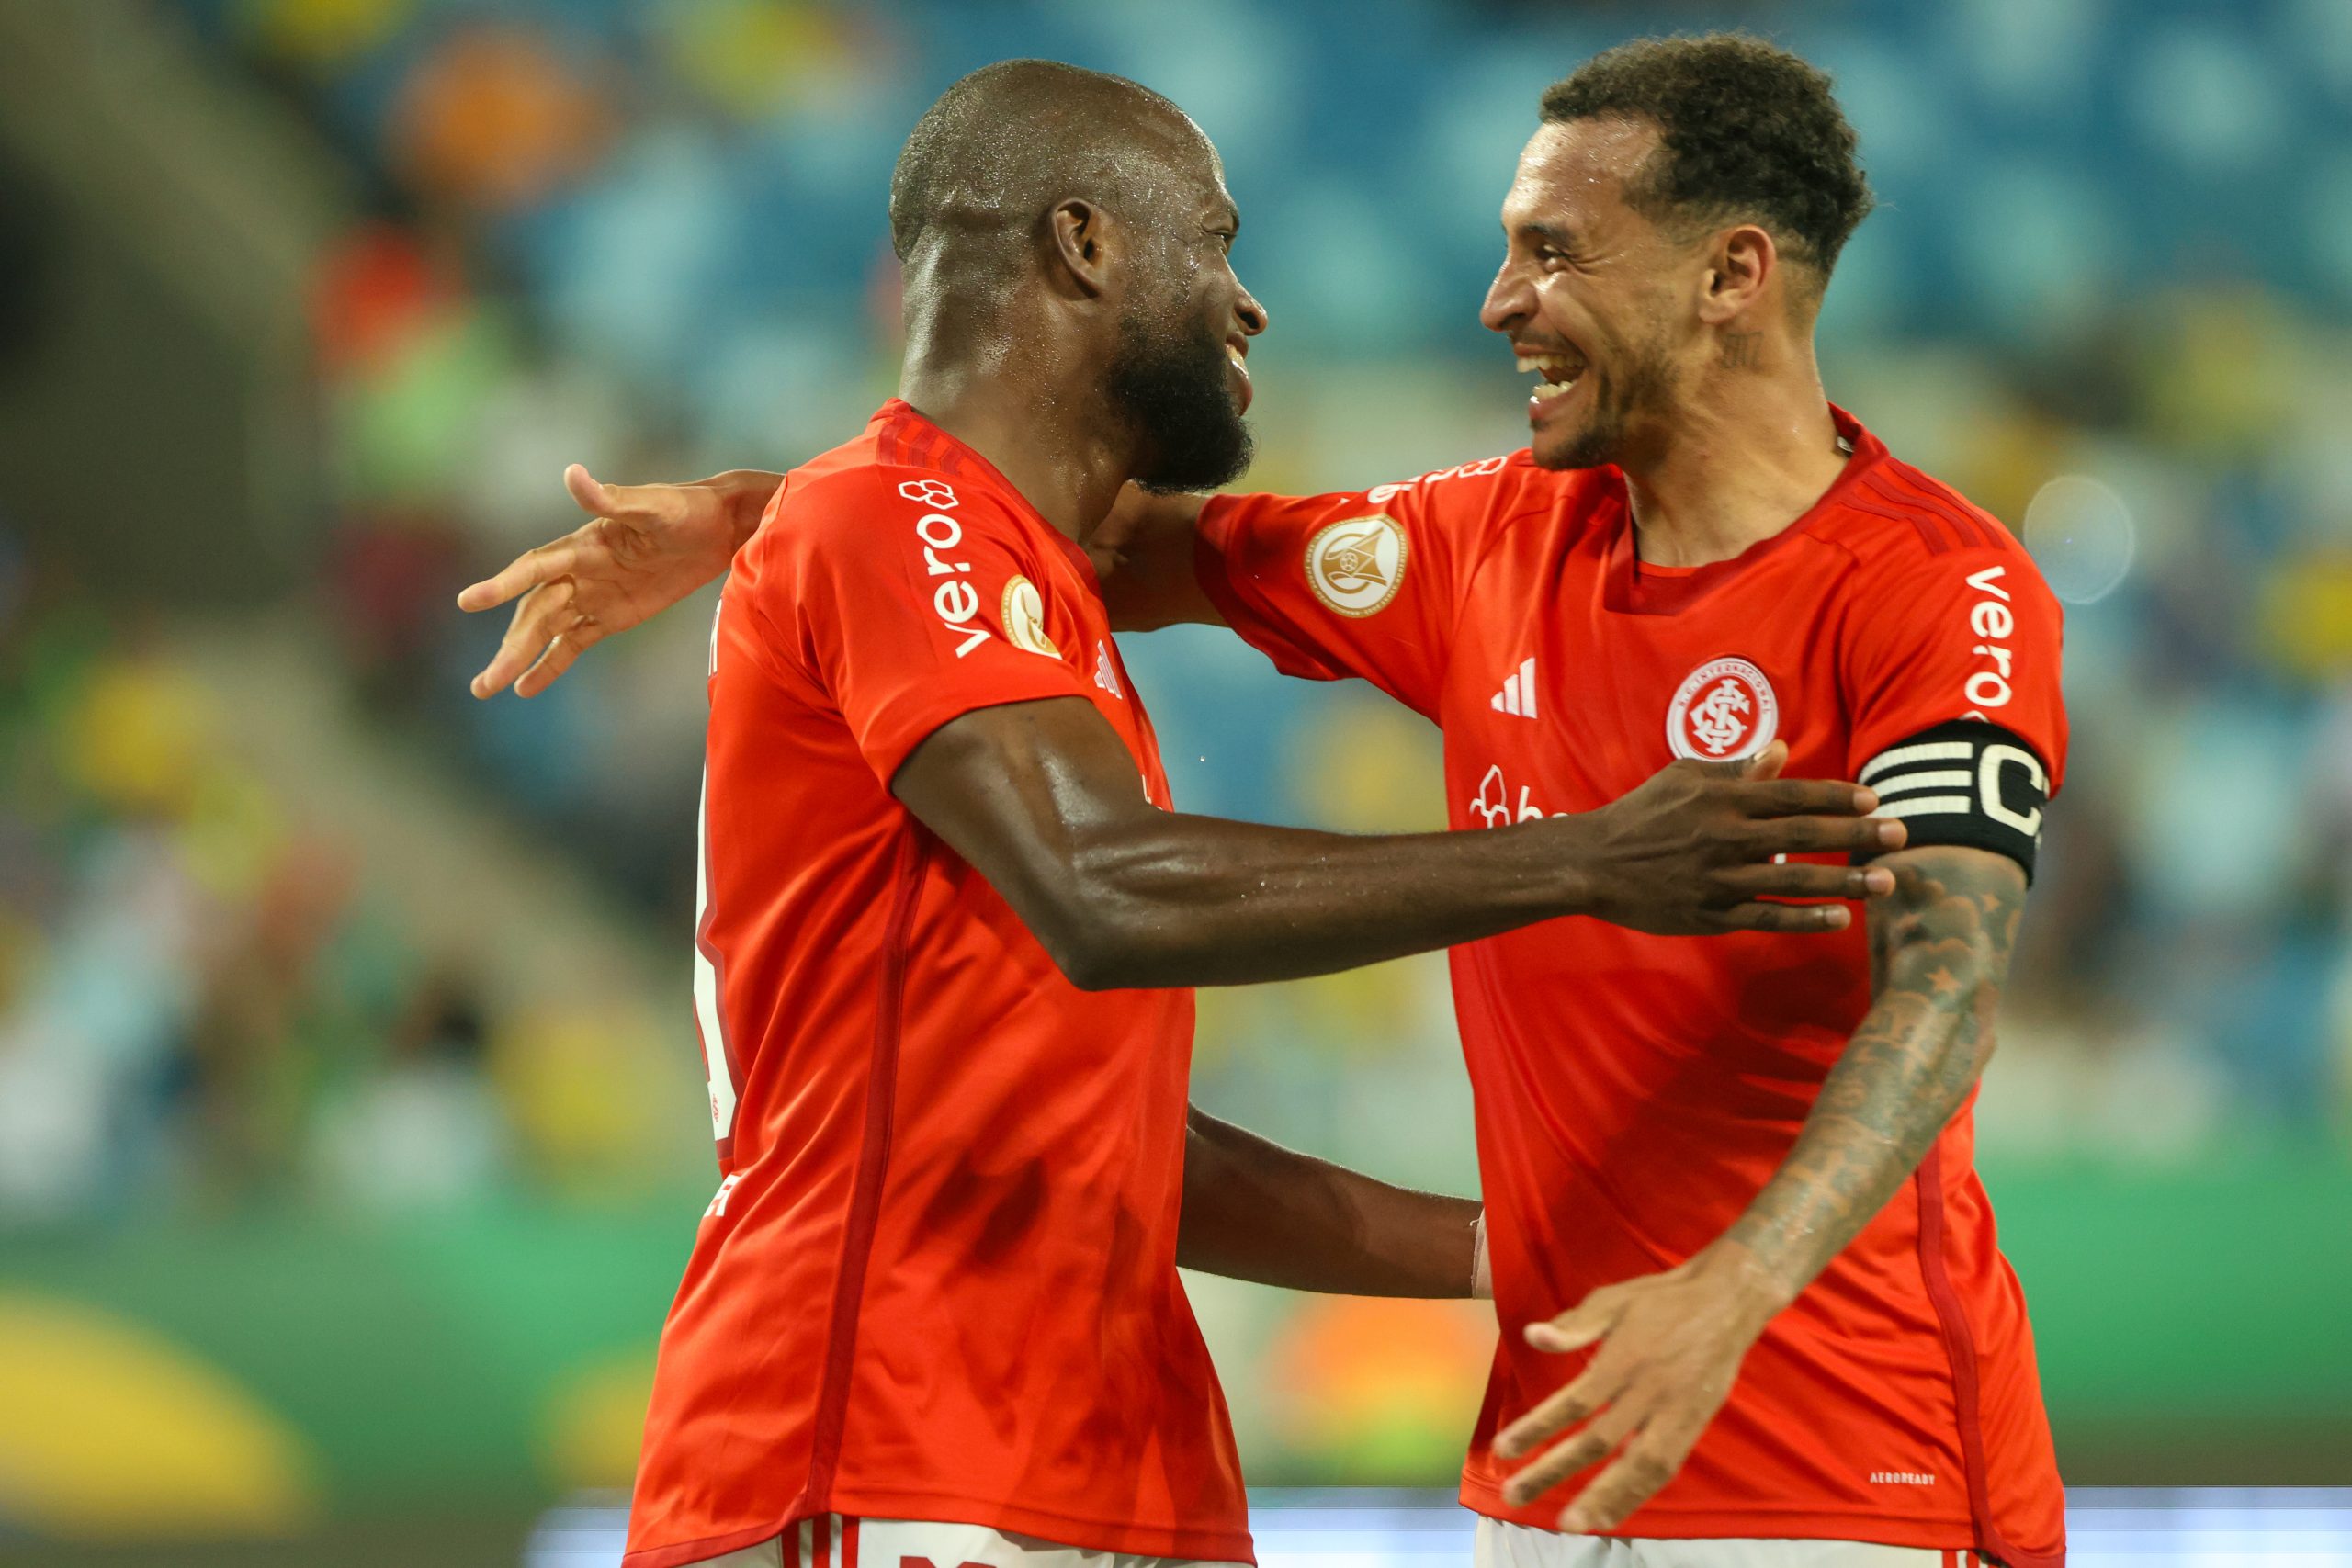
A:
x: 1966, y: 782
x: 1926, y: 806
x: 1934, y: 778
x: 1926, y: 751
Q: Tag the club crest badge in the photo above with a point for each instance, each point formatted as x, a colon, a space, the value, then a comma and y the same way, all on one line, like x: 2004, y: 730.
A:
x: 1725, y: 710
x: 1357, y: 566
x: 1024, y: 610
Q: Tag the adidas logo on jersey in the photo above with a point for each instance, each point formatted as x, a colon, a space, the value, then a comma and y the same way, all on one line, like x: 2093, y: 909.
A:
x: 1518, y: 696
x: 1104, y: 676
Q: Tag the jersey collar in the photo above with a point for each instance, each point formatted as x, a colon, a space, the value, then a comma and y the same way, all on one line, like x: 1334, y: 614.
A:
x: 1634, y: 588
x: 903, y: 435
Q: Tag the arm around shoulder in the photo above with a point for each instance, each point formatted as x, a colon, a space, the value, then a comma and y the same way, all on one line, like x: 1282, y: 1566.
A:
x: 1145, y: 553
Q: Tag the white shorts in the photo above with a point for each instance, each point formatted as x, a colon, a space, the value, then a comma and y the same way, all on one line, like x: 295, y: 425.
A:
x: 833, y: 1541
x: 1502, y: 1545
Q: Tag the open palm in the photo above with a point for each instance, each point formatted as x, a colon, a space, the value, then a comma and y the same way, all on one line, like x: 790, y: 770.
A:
x: 643, y: 548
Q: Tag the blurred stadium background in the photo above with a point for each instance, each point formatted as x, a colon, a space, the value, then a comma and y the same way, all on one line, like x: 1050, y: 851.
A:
x: 350, y: 1137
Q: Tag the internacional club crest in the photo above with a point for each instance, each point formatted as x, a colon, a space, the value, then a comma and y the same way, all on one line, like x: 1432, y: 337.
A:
x: 1356, y: 566
x: 1024, y: 610
x: 1723, y: 710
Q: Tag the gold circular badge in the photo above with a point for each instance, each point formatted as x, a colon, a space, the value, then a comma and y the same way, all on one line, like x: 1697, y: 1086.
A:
x: 1357, y: 566
x: 1024, y: 612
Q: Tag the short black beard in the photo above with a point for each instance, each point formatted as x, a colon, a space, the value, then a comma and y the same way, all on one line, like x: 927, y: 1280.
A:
x: 1169, y: 386
x: 1648, y: 382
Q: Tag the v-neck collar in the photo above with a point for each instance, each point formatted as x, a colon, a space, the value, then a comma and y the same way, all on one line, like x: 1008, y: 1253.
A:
x: 1634, y: 588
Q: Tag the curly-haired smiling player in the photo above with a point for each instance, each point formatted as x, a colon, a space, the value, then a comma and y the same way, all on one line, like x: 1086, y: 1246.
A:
x: 1743, y: 1261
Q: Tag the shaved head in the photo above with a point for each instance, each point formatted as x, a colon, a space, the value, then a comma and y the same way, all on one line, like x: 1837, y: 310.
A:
x: 1001, y: 147
x: 1074, y: 227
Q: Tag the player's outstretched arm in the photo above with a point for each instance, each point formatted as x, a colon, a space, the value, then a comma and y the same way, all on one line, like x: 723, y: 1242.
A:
x: 1671, y: 1344
x: 1043, y: 799
x: 1256, y: 1211
x: 643, y: 548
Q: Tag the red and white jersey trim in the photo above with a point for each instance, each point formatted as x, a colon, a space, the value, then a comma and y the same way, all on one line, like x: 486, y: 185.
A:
x: 830, y: 1541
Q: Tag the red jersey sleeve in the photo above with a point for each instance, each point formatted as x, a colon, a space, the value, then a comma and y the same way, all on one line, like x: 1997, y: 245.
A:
x: 906, y: 603
x: 1952, y: 674
x: 1361, y: 583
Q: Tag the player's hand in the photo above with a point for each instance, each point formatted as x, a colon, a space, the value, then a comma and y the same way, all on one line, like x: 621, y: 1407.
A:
x: 1668, y: 1348
x: 1693, y: 851
x: 643, y: 548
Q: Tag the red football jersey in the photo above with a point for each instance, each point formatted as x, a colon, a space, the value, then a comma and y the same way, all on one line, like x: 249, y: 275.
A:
x: 939, y: 1279
x: 1634, y: 1092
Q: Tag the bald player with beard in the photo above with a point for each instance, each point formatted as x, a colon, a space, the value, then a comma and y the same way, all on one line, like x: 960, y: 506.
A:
x: 947, y: 912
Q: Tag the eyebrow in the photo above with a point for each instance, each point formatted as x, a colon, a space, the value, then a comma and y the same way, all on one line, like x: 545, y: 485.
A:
x: 1550, y: 234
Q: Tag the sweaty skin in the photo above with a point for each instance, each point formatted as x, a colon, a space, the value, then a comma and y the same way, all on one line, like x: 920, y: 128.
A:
x: 1690, y: 366
x: 1042, y: 799
x: 1674, y: 1341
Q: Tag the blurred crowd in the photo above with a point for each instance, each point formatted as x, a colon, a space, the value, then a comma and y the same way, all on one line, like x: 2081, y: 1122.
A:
x: 197, y: 995
x: 2106, y: 296
x: 207, y: 1003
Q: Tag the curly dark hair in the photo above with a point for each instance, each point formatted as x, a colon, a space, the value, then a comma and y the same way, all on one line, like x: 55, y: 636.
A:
x: 1748, y: 131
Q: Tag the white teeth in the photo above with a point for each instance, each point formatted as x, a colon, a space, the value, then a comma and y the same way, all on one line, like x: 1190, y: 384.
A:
x: 1551, y: 390
x: 1545, y: 362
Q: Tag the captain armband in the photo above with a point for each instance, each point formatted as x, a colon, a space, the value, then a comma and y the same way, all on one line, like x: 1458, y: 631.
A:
x: 1964, y: 783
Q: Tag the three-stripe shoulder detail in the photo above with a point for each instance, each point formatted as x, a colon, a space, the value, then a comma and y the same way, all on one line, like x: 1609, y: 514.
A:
x: 1940, y: 518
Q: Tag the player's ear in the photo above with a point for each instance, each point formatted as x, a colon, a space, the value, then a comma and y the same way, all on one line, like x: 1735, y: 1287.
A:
x: 1079, y: 246
x: 1743, y: 262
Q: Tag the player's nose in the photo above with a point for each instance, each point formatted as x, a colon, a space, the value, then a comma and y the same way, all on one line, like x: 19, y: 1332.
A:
x: 1509, y: 300
x: 1250, y: 315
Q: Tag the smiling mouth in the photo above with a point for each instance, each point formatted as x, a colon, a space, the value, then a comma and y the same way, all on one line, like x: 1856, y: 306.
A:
x: 1560, y: 373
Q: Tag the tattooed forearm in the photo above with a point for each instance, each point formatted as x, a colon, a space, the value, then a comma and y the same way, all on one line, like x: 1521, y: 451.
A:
x: 1939, y: 952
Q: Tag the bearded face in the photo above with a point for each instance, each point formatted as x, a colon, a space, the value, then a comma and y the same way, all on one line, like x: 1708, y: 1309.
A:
x: 1628, y: 385
x: 1172, y: 383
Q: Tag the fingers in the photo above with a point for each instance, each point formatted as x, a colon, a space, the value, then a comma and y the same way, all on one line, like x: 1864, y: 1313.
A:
x: 566, y: 647
x: 1641, y: 1471
x: 1580, y: 1452
x: 1580, y: 1325
x: 536, y: 567
x: 1799, y: 919
x: 1805, y: 797
x: 633, y: 503
x: 1766, y: 763
x: 524, y: 573
x: 1824, y: 835
x: 1569, y: 1331
x: 538, y: 621
x: 1805, y: 880
x: 1763, y: 765
x: 592, y: 497
x: 1600, y: 1383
